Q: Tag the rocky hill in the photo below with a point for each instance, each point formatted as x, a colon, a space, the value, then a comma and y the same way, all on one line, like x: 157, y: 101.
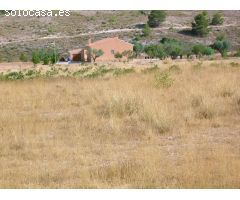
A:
x: 24, y: 34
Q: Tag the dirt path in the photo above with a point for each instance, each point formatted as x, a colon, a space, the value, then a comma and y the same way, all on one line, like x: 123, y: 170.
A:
x: 107, y: 32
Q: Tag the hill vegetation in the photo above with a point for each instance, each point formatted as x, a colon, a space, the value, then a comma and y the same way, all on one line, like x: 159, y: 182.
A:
x: 23, y: 35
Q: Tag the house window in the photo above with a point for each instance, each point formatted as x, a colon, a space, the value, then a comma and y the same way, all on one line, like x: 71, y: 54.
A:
x: 112, y: 51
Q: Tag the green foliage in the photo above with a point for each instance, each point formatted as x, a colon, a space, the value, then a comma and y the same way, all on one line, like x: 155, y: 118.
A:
x: 118, y: 55
x: 217, y: 19
x: 122, y: 71
x: 200, y: 24
x: 146, y: 30
x: 23, y: 57
x: 50, y: 29
x: 45, y: 56
x: 155, y: 51
x: 156, y: 17
x: 222, y: 45
x: 175, y: 48
x: 138, y: 48
x: 128, y: 54
x: 237, y: 53
x: 200, y: 50
x: 46, y: 59
x: 36, y: 58
x: 112, y: 20
x: 14, y: 76
x: 54, y: 56
x: 95, y: 53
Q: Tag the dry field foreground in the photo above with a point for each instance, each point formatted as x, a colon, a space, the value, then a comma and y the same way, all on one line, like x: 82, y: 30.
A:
x: 173, y: 127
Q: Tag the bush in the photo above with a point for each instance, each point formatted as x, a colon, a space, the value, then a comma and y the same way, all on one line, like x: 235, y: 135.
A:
x: 45, y: 56
x: 146, y: 30
x: 23, y: 57
x: 118, y: 55
x: 217, y: 19
x: 36, y: 58
x: 175, y: 48
x: 200, y: 24
x: 155, y: 51
x: 200, y: 50
x: 208, y: 51
x: 46, y: 59
x: 222, y: 45
x: 53, y: 55
x: 156, y: 17
x: 237, y: 53
x: 14, y: 76
x: 138, y: 48
x: 95, y: 53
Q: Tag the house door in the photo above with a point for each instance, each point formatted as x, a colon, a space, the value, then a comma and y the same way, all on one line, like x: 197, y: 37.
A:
x: 76, y: 57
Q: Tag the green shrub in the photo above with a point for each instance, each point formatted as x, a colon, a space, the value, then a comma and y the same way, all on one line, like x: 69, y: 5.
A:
x: 156, y: 17
x: 14, y: 76
x: 112, y: 20
x: 237, y: 53
x: 217, y: 19
x: 175, y: 48
x: 155, y: 51
x: 146, y: 30
x: 36, y: 58
x: 222, y: 45
x: 200, y: 50
x: 138, y: 48
x: 46, y: 59
x: 23, y: 57
x: 118, y: 55
x: 200, y: 24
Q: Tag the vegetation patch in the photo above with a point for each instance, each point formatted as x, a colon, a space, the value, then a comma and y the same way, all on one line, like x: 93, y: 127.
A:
x: 150, y: 69
x: 122, y: 71
x: 163, y: 79
x: 175, y: 68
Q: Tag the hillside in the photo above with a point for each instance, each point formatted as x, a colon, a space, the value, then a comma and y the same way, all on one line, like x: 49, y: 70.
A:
x: 23, y: 34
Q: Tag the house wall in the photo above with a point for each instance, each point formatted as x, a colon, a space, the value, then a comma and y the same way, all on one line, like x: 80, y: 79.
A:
x: 110, y: 47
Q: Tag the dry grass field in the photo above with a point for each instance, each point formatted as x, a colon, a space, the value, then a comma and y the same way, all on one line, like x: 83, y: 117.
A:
x: 175, y: 125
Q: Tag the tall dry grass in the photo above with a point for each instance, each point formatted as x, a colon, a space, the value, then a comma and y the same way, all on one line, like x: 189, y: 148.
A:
x: 175, y: 126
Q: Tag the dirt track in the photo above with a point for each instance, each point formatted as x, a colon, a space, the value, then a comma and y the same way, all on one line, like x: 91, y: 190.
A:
x: 107, y: 31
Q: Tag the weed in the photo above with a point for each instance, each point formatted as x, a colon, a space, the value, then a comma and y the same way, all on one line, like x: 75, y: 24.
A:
x: 175, y: 68
x: 151, y: 69
x: 163, y: 79
x: 99, y: 72
x: 205, y: 112
x: 120, y: 71
x: 233, y: 64
x: 81, y: 72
